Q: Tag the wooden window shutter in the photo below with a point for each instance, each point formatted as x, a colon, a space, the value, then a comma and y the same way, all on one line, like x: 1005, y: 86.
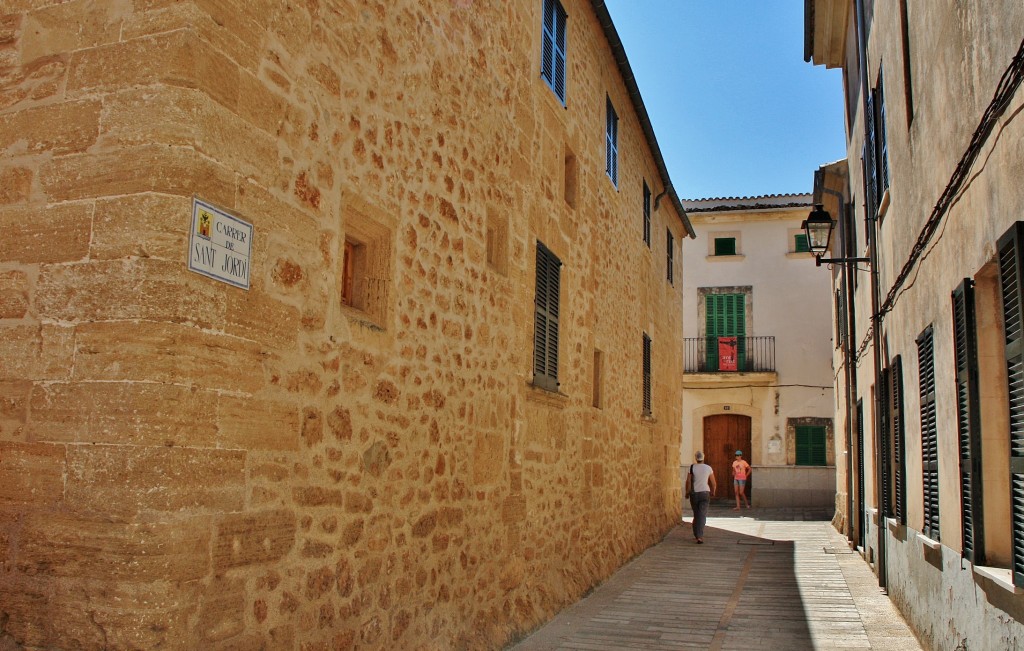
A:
x: 899, y: 443
x: 611, y: 142
x: 552, y: 58
x: 670, y: 245
x: 884, y: 446
x: 647, y: 376
x: 1011, y: 268
x: 810, y: 445
x: 545, y: 333
x: 929, y: 433
x: 647, y: 215
x: 883, y: 145
x: 965, y: 345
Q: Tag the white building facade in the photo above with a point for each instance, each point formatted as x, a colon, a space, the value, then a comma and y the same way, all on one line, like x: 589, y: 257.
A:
x: 758, y: 351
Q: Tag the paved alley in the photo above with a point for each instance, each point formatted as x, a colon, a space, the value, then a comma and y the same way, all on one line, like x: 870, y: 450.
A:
x: 764, y: 580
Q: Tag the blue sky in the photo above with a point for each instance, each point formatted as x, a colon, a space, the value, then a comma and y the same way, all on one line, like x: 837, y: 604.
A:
x: 736, y: 110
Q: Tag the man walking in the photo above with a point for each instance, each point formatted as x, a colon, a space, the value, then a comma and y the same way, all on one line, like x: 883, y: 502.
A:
x: 700, y: 487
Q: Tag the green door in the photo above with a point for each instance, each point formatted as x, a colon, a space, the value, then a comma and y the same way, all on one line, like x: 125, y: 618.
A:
x: 725, y: 316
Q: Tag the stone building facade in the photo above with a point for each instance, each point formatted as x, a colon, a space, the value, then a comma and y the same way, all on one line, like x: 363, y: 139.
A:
x: 750, y: 279
x: 350, y: 447
x: 930, y: 368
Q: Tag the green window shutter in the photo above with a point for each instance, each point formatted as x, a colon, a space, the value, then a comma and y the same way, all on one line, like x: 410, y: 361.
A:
x: 1010, y: 251
x: 545, y: 333
x: 929, y: 432
x: 725, y: 246
x: 810, y: 445
x: 724, y: 316
x: 800, y: 243
x: 965, y: 345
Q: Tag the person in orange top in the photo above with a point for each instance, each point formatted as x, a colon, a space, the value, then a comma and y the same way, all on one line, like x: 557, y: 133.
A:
x: 740, y: 473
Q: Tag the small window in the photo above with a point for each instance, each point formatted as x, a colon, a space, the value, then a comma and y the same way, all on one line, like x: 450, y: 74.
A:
x: 647, y: 376
x: 810, y: 445
x: 670, y: 246
x: 570, y: 178
x: 647, y: 215
x: 725, y: 246
x: 552, y: 56
x: 366, y: 264
x: 598, y: 397
x: 497, y: 241
x: 545, y: 335
x: 800, y: 243
x: 611, y: 133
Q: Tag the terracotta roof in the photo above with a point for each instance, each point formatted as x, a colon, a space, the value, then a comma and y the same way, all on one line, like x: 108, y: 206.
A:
x: 760, y: 202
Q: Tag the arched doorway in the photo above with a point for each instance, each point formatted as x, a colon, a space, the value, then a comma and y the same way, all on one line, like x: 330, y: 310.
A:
x: 723, y: 435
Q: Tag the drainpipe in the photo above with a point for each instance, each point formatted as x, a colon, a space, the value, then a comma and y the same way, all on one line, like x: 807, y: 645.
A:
x: 876, y: 321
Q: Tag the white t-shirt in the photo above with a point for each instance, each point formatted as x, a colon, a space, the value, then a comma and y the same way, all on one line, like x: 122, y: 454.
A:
x: 701, y: 473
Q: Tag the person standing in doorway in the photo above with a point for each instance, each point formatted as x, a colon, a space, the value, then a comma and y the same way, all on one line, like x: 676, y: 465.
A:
x: 740, y: 475
x: 700, y: 487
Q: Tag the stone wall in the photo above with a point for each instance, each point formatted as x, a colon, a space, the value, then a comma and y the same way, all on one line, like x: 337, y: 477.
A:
x: 185, y: 464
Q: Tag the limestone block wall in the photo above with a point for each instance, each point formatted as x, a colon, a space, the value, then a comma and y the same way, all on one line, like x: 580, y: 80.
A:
x: 185, y: 464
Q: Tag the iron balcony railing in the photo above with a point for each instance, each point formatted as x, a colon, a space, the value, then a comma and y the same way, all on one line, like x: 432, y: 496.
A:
x: 729, y: 355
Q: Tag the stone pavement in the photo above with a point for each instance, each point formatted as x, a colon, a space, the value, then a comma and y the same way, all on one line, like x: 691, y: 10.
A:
x: 763, y: 580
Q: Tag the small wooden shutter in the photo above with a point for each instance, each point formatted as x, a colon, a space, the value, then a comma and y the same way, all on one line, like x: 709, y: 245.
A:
x: 899, y: 443
x: 647, y: 376
x: 929, y: 433
x: 545, y: 334
x: 725, y: 246
x: 611, y: 162
x: 670, y: 245
x: 810, y: 445
x: 552, y: 59
x: 725, y: 316
x: 800, y: 243
x: 884, y: 445
x: 647, y: 215
x: 965, y: 345
x: 1011, y: 269
x: 559, y: 80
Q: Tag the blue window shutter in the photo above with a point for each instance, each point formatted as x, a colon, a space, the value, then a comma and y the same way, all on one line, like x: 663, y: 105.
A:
x: 552, y: 57
x: 612, y: 143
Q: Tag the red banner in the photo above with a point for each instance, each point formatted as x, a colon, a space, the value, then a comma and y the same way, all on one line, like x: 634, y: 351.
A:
x: 727, y: 353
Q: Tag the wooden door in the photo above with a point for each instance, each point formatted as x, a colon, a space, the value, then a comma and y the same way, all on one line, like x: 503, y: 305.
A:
x: 723, y: 435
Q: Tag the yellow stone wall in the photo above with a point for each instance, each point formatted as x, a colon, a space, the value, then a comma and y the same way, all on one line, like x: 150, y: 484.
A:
x: 187, y: 465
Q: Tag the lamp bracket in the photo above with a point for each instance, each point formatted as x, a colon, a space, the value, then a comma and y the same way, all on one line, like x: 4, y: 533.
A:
x: 818, y: 260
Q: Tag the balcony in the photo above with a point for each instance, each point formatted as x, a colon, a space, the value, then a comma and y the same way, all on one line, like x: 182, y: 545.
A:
x: 729, y: 355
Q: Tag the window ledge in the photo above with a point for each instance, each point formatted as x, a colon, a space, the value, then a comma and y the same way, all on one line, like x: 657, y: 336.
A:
x: 546, y: 396
x: 1000, y: 577
x: 883, y: 205
x: 648, y: 419
x: 726, y: 258
x: 928, y: 542
x: 799, y: 255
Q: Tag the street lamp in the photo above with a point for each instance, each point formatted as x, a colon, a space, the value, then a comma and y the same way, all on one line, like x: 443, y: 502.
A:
x: 818, y: 227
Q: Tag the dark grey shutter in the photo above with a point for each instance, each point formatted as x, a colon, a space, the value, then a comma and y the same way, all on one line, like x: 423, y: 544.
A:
x: 559, y: 85
x: 899, y: 442
x: 647, y: 215
x: 884, y: 443
x: 647, y: 376
x: 870, y: 158
x: 611, y: 161
x: 965, y: 344
x: 882, y: 151
x: 545, y: 333
x: 929, y: 433
x: 1010, y: 270
x: 670, y: 245
x: 860, y: 472
x: 547, y: 52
